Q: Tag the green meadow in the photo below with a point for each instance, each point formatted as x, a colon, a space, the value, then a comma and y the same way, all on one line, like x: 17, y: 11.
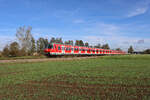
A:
x: 125, y: 77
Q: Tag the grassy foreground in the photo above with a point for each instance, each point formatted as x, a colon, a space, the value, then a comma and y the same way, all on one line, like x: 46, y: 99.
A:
x: 108, y: 77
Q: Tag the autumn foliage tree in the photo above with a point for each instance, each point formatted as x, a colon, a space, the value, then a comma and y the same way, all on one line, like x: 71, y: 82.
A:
x: 14, y: 49
x: 5, y: 51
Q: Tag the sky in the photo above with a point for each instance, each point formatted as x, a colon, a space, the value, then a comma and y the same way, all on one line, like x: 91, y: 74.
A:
x: 120, y: 23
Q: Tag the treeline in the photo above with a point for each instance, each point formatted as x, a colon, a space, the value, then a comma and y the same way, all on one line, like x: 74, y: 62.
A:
x: 131, y: 51
x: 26, y: 45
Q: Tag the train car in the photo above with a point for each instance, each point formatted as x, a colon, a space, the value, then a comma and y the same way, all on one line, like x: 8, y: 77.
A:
x: 61, y: 49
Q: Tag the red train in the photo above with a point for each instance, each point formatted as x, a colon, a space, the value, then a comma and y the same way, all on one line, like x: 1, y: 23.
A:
x: 61, y: 49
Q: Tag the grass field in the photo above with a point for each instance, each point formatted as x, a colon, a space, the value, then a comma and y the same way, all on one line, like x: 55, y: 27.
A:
x: 106, y: 78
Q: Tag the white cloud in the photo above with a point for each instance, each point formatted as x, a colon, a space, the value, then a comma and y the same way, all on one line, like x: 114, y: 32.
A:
x: 139, y: 8
x: 138, y: 11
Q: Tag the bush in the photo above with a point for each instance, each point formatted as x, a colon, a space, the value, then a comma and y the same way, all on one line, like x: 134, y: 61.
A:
x: 6, y: 51
x: 14, y: 49
x: 0, y: 54
x: 147, y: 51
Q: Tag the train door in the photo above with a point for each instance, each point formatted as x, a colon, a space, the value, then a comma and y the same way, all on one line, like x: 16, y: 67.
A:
x: 72, y: 50
x: 79, y: 50
x: 63, y: 49
x: 55, y: 49
x: 59, y: 49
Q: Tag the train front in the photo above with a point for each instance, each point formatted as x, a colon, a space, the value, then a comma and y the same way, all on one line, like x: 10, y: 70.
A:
x: 48, y: 50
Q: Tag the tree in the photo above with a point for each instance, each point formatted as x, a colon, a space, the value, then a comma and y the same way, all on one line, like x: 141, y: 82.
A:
x: 52, y: 40
x: 98, y: 46
x: 38, y: 46
x: 59, y: 40
x: 86, y: 44
x: 147, y: 51
x: 25, y: 38
x: 105, y: 46
x: 23, y: 52
x: 118, y: 49
x: 69, y: 42
x: 66, y: 42
x: 41, y: 45
x: 33, y: 47
x: 45, y: 42
x: 6, y: 51
x: 130, y: 50
x: 56, y: 40
x: 0, y: 53
x: 79, y: 43
x: 14, y: 49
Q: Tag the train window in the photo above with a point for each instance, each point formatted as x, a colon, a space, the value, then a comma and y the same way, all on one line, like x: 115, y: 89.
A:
x: 66, y: 48
x: 76, y: 49
x: 50, y: 46
x: 69, y: 48
x: 59, y: 48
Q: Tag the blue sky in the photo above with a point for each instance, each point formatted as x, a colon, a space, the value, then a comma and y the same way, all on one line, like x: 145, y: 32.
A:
x: 120, y: 23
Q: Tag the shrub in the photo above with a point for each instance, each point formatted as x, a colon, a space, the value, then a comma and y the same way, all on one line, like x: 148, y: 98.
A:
x: 6, y: 51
